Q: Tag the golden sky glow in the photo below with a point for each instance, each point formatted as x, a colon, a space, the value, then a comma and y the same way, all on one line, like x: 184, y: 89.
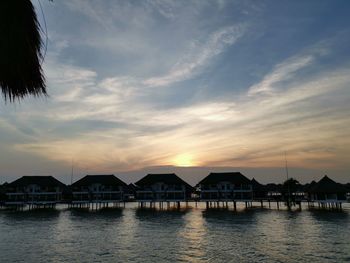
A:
x: 184, y: 160
x: 169, y: 88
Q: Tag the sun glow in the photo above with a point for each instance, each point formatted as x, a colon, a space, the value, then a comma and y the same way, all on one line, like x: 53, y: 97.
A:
x: 184, y: 160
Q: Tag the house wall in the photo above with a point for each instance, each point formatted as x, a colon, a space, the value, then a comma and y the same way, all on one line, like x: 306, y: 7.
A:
x: 325, y: 197
x: 34, y: 193
x: 225, y: 186
x: 162, y: 191
x: 225, y: 190
x: 98, y: 192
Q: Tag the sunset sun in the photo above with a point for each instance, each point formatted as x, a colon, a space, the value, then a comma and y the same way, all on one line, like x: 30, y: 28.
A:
x: 184, y: 160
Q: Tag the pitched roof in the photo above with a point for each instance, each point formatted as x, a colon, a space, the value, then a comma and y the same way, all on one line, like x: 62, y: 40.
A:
x: 105, y: 179
x: 38, y: 180
x: 327, y: 185
x: 172, y: 178
x: 233, y: 177
x: 307, y: 187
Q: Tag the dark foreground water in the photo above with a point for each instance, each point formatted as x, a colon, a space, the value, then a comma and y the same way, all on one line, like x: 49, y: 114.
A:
x: 193, y: 235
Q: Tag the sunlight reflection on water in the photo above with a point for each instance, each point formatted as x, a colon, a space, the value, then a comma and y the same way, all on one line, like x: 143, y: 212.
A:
x: 192, y: 235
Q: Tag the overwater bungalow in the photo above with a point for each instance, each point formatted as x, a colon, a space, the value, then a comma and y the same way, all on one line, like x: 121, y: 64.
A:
x: 2, y: 193
x: 274, y: 191
x: 308, y: 186
x: 163, y: 187
x: 98, y: 189
x: 327, y: 191
x: 34, y: 190
x: 130, y: 192
x: 226, y: 187
x: 259, y: 190
x: 347, y: 186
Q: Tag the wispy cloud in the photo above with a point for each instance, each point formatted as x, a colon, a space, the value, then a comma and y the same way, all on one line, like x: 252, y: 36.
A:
x: 199, y: 56
x: 289, y: 68
x: 282, y: 72
x: 247, y: 136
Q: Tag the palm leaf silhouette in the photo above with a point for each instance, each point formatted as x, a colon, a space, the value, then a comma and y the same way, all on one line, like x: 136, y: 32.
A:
x: 20, y: 51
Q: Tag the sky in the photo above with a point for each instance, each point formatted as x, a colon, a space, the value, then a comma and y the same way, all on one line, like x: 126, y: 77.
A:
x: 187, y: 87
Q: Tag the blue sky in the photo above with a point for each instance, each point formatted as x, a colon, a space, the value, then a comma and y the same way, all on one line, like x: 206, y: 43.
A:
x: 139, y: 85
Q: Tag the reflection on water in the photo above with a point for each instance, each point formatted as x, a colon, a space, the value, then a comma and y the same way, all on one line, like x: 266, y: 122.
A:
x: 159, y: 215
x: 330, y: 216
x: 191, y: 235
x: 37, y: 216
x: 105, y: 214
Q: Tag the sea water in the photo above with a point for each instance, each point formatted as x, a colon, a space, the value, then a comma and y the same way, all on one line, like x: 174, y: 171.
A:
x: 195, y: 234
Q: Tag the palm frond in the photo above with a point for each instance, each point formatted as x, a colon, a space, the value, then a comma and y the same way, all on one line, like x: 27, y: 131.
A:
x: 20, y: 51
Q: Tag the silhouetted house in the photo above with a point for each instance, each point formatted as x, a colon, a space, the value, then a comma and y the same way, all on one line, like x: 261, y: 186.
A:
x: 327, y: 190
x: 226, y: 186
x: 98, y: 188
x: 130, y: 192
x: 3, y: 193
x: 67, y: 194
x: 259, y: 190
x: 163, y: 187
x: 307, y: 187
x: 347, y: 186
x: 274, y: 191
x: 34, y: 190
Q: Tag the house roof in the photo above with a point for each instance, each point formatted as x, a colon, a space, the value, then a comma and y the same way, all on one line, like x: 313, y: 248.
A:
x: 171, y: 178
x: 233, y: 177
x: 38, y: 180
x: 327, y: 185
x: 105, y: 179
x: 308, y: 186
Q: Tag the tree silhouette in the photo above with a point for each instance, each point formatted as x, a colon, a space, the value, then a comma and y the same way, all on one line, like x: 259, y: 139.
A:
x: 20, y: 51
x: 289, y: 188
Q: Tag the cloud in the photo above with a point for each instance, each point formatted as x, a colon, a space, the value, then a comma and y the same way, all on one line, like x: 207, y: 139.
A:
x: 281, y: 72
x: 106, y: 110
x: 199, y: 56
x: 289, y: 68
x: 251, y: 131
